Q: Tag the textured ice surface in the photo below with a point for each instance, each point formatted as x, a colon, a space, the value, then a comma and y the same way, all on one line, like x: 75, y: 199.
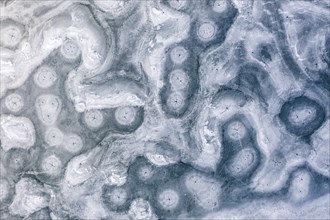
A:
x: 164, y: 109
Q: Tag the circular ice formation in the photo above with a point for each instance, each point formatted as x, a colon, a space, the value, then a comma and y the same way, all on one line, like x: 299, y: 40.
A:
x: 11, y: 35
x: 176, y: 102
x: 179, y: 54
x: 168, y: 199
x: 45, y: 77
x: 179, y: 79
x: 145, y: 172
x: 54, y: 136
x: 14, y: 102
x: 125, y: 115
x: 16, y: 132
x: 73, y: 143
x: 70, y: 50
x: 302, y: 115
x: 206, y: 31
x: 178, y: 4
x: 219, y: 6
x: 93, y: 118
x: 48, y: 107
x: 236, y: 130
x: 242, y: 162
x: 16, y: 160
x: 51, y: 165
x: 118, y: 196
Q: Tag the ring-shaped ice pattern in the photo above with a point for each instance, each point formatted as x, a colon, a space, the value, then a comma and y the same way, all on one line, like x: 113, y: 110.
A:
x: 206, y: 30
x: 54, y: 136
x: 125, y: 115
x: 168, y: 199
x: 73, y: 143
x: 93, y: 118
x: 302, y: 115
x: 179, y: 79
x: 70, y: 50
x: 176, y: 101
x: 16, y: 159
x: 14, y: 102
x: 236, y: 130
x: 178, y: 55
x: 118, y: 196
x: 45, y: 77
x: 11, y: 36
x: 51, y: 165
x: 145, y: 172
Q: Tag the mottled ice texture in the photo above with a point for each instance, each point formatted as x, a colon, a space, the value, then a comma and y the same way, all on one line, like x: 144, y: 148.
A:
x: 164, y: 109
